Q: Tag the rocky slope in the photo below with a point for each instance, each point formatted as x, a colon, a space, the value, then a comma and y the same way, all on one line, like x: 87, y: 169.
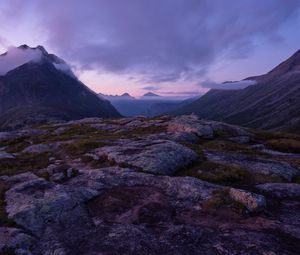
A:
x: 46, y: 89
x: 149, y: 186
x: 272, y: 103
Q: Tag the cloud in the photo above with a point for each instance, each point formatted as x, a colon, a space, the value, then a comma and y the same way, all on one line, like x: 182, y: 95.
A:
x: 15, y: 57
x: 151, y: 88
x: 227, y: 85
x: 161, y: 41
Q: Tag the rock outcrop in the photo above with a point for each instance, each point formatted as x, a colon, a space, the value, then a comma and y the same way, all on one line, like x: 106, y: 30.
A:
x: 253, y: 202
x: 157, y: 156
x: 147, y: 186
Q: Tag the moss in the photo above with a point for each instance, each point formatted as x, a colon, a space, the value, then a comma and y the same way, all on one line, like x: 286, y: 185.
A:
x: 218, y: 199
x: 15, y: 145
x: 222, y: 145
x: 264, y: 135
x: 284, y: 145
x: 4, y: 221
x: 82, y: 146
x: 217, y: 173
x: 221, y: 199
x: 44, y: 175
x: 24, y: 162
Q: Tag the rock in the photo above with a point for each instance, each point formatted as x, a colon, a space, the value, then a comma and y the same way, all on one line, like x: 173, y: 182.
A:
x: 59, y: 215
x: 61, y: 130
x: 224, y: 129
x: 281, y: 190
x: 6, y: 136
x: 254, y: 164
x: 39, y: 148
x: 207, y: 128
x: 190, y: 124
x: 253, y: 202
x: 6, y: 155
x: 158, y: 156
x: 24, y: 177
x: 13, y: 239
x: 57, y: 177
x: 36, y: 203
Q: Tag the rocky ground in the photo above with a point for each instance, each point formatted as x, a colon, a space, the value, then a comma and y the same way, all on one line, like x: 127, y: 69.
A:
x: 149, y: 186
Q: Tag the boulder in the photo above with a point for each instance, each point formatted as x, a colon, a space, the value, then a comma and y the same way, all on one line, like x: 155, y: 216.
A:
x: 6, y: 155
x: 253, y: 202
x: 190, y: 124
x: 39, y: 148
x: 36, y: 203
x: 13, y: 239
x: 158, y: 156
x: 224, y: 129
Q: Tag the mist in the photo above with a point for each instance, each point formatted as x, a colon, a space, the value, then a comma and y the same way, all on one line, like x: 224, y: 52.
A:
x: 15, y: 57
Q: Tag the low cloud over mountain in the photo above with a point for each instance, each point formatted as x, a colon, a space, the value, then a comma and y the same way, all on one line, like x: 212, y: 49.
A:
x: 15, y: 57
x: 228, y: 85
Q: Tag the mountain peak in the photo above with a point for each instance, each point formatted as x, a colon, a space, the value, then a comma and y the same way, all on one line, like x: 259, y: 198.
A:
x: 125, y: 95
x: 292, y: 64
x: 18, y: 56
x: 150, y: 94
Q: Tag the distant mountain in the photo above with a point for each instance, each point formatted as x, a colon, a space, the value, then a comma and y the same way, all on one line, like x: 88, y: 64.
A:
x: 149, y: 104
x: 124, y: 96
x: 150, y: 94
x: 272, y: 103
x: 45, y: 88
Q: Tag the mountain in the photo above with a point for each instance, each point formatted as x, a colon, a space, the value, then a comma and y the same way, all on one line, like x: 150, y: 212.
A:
x: 146, y: 105
x: 150, y: 94
x: 45, y: 88
x: 272, y: 103
x: 126, y: 95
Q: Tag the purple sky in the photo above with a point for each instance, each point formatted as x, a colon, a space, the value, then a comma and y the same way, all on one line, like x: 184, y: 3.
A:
x: 171, y: 47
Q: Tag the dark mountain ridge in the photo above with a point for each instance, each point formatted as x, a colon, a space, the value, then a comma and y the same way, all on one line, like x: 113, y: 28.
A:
x: 48, y: 88
x: 272, y: 103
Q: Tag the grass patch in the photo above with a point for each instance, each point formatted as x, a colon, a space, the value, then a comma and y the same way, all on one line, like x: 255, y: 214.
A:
x: 4, y: 221
x: 264, y: 135
x: 284, y: 145
x: 82, y: 146
x: 16, y: 145
x: 230, y: 175
x: 221, y: 198
x: 24, y: 162
x: 225, y: 146
x: 217, y: 173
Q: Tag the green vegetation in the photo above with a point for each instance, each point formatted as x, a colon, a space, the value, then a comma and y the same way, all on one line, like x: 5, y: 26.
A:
x: 4, y: 221
x: 284, y: 145
x: 228, y: 146
x: 217, y: 173
x: 15, y: 145
x: 82, y: 146
x: 264, y: 135
x: 24, y: 162
x: 221, y: 199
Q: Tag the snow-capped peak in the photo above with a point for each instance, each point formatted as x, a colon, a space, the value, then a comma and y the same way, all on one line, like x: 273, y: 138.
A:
x: 17, y: 56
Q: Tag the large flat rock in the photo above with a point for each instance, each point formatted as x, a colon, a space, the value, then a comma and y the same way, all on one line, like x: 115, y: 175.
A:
x: 158, y: 156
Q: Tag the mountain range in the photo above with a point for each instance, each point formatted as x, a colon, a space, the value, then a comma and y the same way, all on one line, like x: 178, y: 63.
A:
x: 150, y: 104
x: 271, y: 103
x: 46, y: 89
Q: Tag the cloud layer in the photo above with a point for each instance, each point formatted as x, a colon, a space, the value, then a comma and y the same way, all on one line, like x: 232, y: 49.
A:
x: 160, y: 41
x: 16, y: 57
x: 227, y: 85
